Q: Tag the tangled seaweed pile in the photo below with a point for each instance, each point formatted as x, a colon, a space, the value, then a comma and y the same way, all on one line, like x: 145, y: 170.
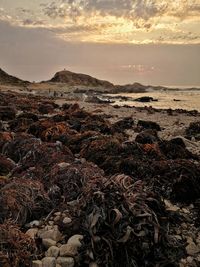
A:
x: 75, y: 191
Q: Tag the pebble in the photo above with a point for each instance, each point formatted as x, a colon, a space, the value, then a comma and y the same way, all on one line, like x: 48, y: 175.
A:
x: 53, y: 234
x: 48, y: 242
x: 67, y: 220
x: 48, y: 262
x: 189, y: 259
x: 53, y: 252
x: 68, y: 250
x: 170, y: 206
x: 58, y: 213
x: 34, y: 223
x: 36, y: 264
x: 75, y: 240
x: 185, y: 210
x: 184, y: 226
x: 57, y: 218
x: 32, y: 232
x: 192, y: 249
x: 63, y: 165
x: 65, y: 261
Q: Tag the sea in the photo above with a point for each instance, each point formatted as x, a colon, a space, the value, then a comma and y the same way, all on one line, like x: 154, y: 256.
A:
x: 182, y: 98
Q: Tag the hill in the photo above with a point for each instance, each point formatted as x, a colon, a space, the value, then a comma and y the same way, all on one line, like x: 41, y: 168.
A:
x: 76, y: 79
x: 7, y: 79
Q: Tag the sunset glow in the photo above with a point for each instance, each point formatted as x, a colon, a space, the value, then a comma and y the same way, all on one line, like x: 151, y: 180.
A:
x: 114, y: 21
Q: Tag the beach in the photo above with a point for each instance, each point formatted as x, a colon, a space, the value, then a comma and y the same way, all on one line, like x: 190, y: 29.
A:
x: 127, y: 175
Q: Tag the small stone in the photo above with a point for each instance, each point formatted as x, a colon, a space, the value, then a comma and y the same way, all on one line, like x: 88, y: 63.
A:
x: 57, y: 218
x: 185, y: 210
x: 192, y: 249
x: 48, y: 262
x: 32, y: 232
x: 198, y: 258
x: 36, y: 264
x: 178, y: 237
x: 48, y: 242
x: 63, y: 165
x: 184, y: 225
x: 67, y: 220
x: 53, y: 252
x: 189, y: 259
x: 68, y: 250
x: 65, y: 261
x: 53, y: 234
x: 58, y: 213
x: 51, y: 223
x: 34, y: 223
x: 75, y: 240
x: 170, y: 206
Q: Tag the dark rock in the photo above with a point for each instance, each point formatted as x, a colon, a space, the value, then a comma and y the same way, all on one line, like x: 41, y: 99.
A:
x: 124, y: 124
x: 149, y: 125
x: 7, y: 113
x: 148, y: 136
x: 193, y: 130
x: 145, y: 99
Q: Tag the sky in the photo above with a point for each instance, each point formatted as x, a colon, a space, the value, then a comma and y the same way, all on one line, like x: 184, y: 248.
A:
x: 124, y: 41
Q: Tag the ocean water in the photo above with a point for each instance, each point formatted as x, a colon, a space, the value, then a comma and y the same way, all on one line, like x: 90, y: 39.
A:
x: 174, y: 99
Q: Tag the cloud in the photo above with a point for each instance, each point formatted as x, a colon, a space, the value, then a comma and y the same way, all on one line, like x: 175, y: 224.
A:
x: 115, y: 21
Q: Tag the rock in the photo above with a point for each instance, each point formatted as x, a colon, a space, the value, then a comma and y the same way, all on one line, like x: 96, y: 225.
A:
x: 148, y: 136
x: 57, y: 213
x: 170, y: 206
x: 57, y: 218
x: 36, y: 264
x: 34, y: 223
x: 75, y: 240
x: 145, y: 99
x: 67, y: 220
x: 48, y: 262
x: 185, y: 210
x: 32, y: 232
x: 184, y: 226
x: 7, y: 113
x: 65, y: 261
x: 68, y: 250
x: 149, y: 125
x: 189, y: 259
x: 53, y: 252
x: 48, y: 242
x: 51, y: 223
x: 63, y: 165
x: 192, y: 249
x: 53, y: 234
